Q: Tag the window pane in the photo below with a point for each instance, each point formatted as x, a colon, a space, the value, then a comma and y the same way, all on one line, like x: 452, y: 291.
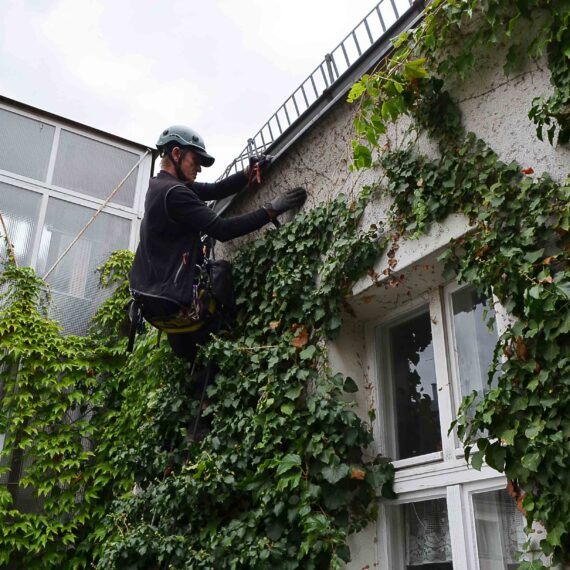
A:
x: 411, y: 371
x: 474, y: 342
x: 74, y: 282
x: 94, y: 168
x: 428, y: 544
x: 500, y: 530
x: 420, y: 536
x: 19, y: 209
x: 18, y: 136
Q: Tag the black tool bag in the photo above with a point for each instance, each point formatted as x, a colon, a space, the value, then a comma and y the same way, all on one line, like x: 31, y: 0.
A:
x: 222, y: 284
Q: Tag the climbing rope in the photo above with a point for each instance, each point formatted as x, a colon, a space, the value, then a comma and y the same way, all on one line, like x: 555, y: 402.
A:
x: 84, y: 229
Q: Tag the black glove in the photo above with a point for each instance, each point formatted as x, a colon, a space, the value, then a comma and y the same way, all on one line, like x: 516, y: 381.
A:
x: 258, y: 166
x: 289, y: 200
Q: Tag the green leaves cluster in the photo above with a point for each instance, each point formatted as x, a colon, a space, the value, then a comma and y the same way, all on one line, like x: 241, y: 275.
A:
x: 281, y: 480
x: 518, y: 247
x: 448, y: 44
x: 115, y: 478
x: 52, y: 411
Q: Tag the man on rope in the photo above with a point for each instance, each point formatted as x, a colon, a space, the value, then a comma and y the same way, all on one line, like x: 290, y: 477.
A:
x: 163, y: 276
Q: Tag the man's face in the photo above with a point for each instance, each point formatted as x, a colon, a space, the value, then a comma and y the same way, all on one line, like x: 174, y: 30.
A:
x: 190, y: 165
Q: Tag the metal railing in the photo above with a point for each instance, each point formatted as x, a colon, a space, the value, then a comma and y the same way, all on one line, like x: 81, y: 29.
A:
x: 368, y: 31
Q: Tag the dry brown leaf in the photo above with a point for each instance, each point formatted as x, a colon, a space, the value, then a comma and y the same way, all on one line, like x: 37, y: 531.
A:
x: 357, y: 473
x: 521, y: 349
x: 301, y: 338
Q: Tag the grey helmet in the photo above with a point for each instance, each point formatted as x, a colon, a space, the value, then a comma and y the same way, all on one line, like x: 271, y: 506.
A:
x: 186, y: 138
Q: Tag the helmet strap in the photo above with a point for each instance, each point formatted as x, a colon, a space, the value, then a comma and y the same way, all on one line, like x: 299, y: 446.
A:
x: 176, y: 164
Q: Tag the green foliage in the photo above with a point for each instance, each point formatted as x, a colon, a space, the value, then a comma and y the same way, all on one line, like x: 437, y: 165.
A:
x: 520, y: 238
x: 448, y: 44
x: 280, y: 480
x: 52, y: 410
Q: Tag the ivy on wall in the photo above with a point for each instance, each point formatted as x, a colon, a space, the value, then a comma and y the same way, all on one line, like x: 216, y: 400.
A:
x: 518, y: 245
x: 281, y: 479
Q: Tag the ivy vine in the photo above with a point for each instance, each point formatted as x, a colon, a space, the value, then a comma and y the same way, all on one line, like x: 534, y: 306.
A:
x: 518, y: 245
x: 281, y: 479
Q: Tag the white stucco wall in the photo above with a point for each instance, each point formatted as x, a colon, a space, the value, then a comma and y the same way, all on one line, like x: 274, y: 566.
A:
x: 495, y: 108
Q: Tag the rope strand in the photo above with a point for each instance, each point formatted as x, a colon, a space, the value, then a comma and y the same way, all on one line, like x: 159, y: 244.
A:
x: 84, y: 229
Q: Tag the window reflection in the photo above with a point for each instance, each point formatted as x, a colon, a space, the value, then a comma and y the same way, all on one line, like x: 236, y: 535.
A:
x: 409, y: 351
x: 19, y: 209
x: 474, y: 342
x: 500, y: 530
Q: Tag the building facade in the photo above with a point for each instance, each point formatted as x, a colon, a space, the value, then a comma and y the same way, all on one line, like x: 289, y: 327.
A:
x: 55, y: 174
x: 417, y: 349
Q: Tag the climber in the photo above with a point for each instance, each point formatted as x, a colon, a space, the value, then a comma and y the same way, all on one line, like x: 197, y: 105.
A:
x: 163, y: 276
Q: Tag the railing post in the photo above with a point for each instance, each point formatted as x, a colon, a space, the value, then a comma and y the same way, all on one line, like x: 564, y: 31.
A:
x: 329, y: 60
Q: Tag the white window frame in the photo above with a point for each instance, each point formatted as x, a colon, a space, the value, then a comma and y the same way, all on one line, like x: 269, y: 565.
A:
x: 440, y: 474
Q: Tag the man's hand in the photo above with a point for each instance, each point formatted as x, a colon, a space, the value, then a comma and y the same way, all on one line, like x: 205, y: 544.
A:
x: 289, y: 200
x: 257, y: 168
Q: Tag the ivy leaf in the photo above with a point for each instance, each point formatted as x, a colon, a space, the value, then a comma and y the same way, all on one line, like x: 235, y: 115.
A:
x: 308, y: 352
x: 564, y: 288
x: 495, y: 456
x: 415, y: 69
x: 477, y: 460
x: 275, y: 529
x: 362, y: 156
x: 290, y: 461
x: 508, y: 436
x: 287, y: 409
x: 334, y: 473
x: 357, y: 90
x: 531, y: 461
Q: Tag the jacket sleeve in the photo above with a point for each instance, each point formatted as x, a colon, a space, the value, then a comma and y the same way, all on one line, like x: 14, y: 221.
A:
x: 222, y: 189
x: 184, y: 206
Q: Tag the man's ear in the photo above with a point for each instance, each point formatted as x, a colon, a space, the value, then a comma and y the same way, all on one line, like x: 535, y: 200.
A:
x: 175, y: 153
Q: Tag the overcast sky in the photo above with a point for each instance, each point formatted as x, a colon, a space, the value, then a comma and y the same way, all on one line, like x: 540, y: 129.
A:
x: 134, y: 67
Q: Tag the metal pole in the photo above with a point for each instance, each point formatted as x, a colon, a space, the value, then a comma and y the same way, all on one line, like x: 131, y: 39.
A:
x: 9, y: 246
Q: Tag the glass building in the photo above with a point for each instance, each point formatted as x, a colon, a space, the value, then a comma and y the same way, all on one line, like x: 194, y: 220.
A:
x: 55, y: 174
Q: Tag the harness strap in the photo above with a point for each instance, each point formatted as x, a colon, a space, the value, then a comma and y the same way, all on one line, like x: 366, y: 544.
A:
x: 135, y: 316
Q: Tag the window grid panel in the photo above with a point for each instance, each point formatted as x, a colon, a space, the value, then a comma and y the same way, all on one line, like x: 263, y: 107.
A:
x: 91, y: 203
x: 78, y: 167
x: 74, y: 281
x: 419, y: 535
x: 499, y: 530
x: 19, y: 134
x: 19, y: 209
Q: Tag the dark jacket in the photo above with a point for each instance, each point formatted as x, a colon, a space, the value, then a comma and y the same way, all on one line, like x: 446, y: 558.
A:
x: 175, y: 217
